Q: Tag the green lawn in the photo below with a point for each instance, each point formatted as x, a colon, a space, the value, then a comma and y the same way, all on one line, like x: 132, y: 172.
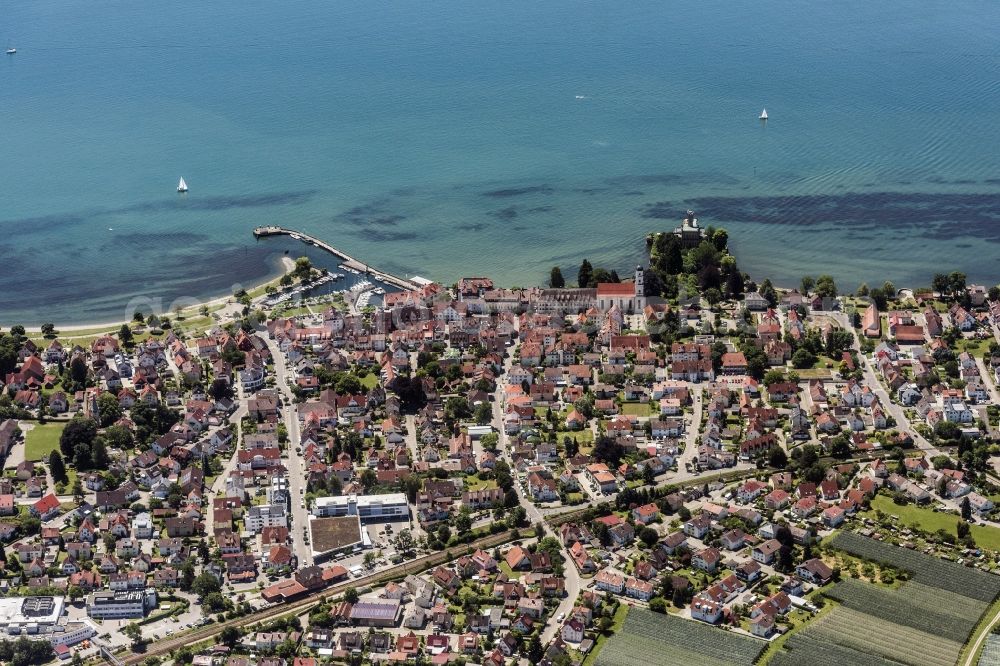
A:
x: 975, y: 347
x: 370, y: 380
x: 583, y: 437
x: 618, y: 622
x: 932, y: 521
x: 635, y: 409
x: 473, y: 482
x: 41, y: 440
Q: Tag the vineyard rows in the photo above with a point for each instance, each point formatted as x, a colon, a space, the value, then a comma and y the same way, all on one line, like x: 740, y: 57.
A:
x: 813, y: 651
x: 991, y: 651
x: 652, y: 639
x: 925, y: 569
x: 882, y: 638
x: 914, y: 605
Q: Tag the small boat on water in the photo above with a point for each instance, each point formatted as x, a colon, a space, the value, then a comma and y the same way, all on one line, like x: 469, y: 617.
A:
x: 11, y: 51
x: 182, y: 186
x: 763, y: 114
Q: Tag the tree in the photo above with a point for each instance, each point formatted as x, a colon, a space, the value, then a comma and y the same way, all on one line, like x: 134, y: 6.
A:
x: 966, y: 509
x: 649, y: 536
x: 948, y: 430
x: 483, y: 413
x: 878, y: 297
x: 826, y: 287
x: 840, y: 446
x: 80, y: 430
x: 346, y: 383
x: 535, y: 651
x: 777, y: 458
x: 125, y: 334
x: 807, y: 283
x: 803, y: 358
x: 118, y: 437
x: 9, y: 346
x: 404, y: 541
x: 57, y: 467
x: 444, y: 534
x: 571, y: 446
x: 109, y: 408
x: 608, y: 450
x: 556, y: 280
x: 48, y: 329
x: 99, y: 458
x: 956, y: 281
x: 229, y: 636
x: 351, y: 595
x: 369, y: 479
x: 134, y: 632
x: 720, y: 239
x: 456, y: 407
x: 205, y: 584
x: 773, y: 376
x: 302, y: 267
x: 585, y: 273
x: 214, y: 601
x: 767, y: 291
x: 463, y: 521
x: 220, y: 389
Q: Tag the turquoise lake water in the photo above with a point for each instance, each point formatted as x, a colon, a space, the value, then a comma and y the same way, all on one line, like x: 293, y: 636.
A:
x: 463, y: 137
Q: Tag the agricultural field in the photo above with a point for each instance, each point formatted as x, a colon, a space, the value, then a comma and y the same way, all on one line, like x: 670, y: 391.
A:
x: 871, y: 636
x: 991, y: 651
x: 914, y: 605
x: 807, y: 651
x: 652, y: 639
x: 924, y: 622
x: 925, y: 569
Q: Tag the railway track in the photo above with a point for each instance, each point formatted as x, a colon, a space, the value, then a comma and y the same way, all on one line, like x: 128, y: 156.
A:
x: 168, y: 645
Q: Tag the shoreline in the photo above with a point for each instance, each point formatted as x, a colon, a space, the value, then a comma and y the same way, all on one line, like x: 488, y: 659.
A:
x: 287, y: 265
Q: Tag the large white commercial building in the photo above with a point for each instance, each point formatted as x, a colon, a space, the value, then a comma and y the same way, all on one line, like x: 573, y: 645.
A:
x: 42, y: 618
x: 392, y: 506
x: 122, y: 604
x: 72, y: 633
x: 30, y: 615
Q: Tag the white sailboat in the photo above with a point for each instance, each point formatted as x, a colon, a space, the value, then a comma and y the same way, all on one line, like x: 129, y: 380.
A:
x: 11, y: 51
x: 182, y: 186
x: 763, y: 114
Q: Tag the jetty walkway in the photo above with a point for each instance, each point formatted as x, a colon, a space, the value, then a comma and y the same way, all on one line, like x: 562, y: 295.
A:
x: 348, y: 260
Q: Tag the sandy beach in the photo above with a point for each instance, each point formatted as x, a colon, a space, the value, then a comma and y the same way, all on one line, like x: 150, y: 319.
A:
x: 286, y: 262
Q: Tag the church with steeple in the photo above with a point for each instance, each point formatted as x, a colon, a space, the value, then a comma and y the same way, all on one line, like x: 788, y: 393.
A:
x: 628, y: 297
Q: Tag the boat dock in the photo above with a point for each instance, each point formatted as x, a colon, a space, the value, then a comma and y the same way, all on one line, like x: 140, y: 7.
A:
x: 349, y: 262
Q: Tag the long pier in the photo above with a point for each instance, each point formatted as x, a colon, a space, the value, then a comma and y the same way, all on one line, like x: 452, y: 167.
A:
x: 348, y: 260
